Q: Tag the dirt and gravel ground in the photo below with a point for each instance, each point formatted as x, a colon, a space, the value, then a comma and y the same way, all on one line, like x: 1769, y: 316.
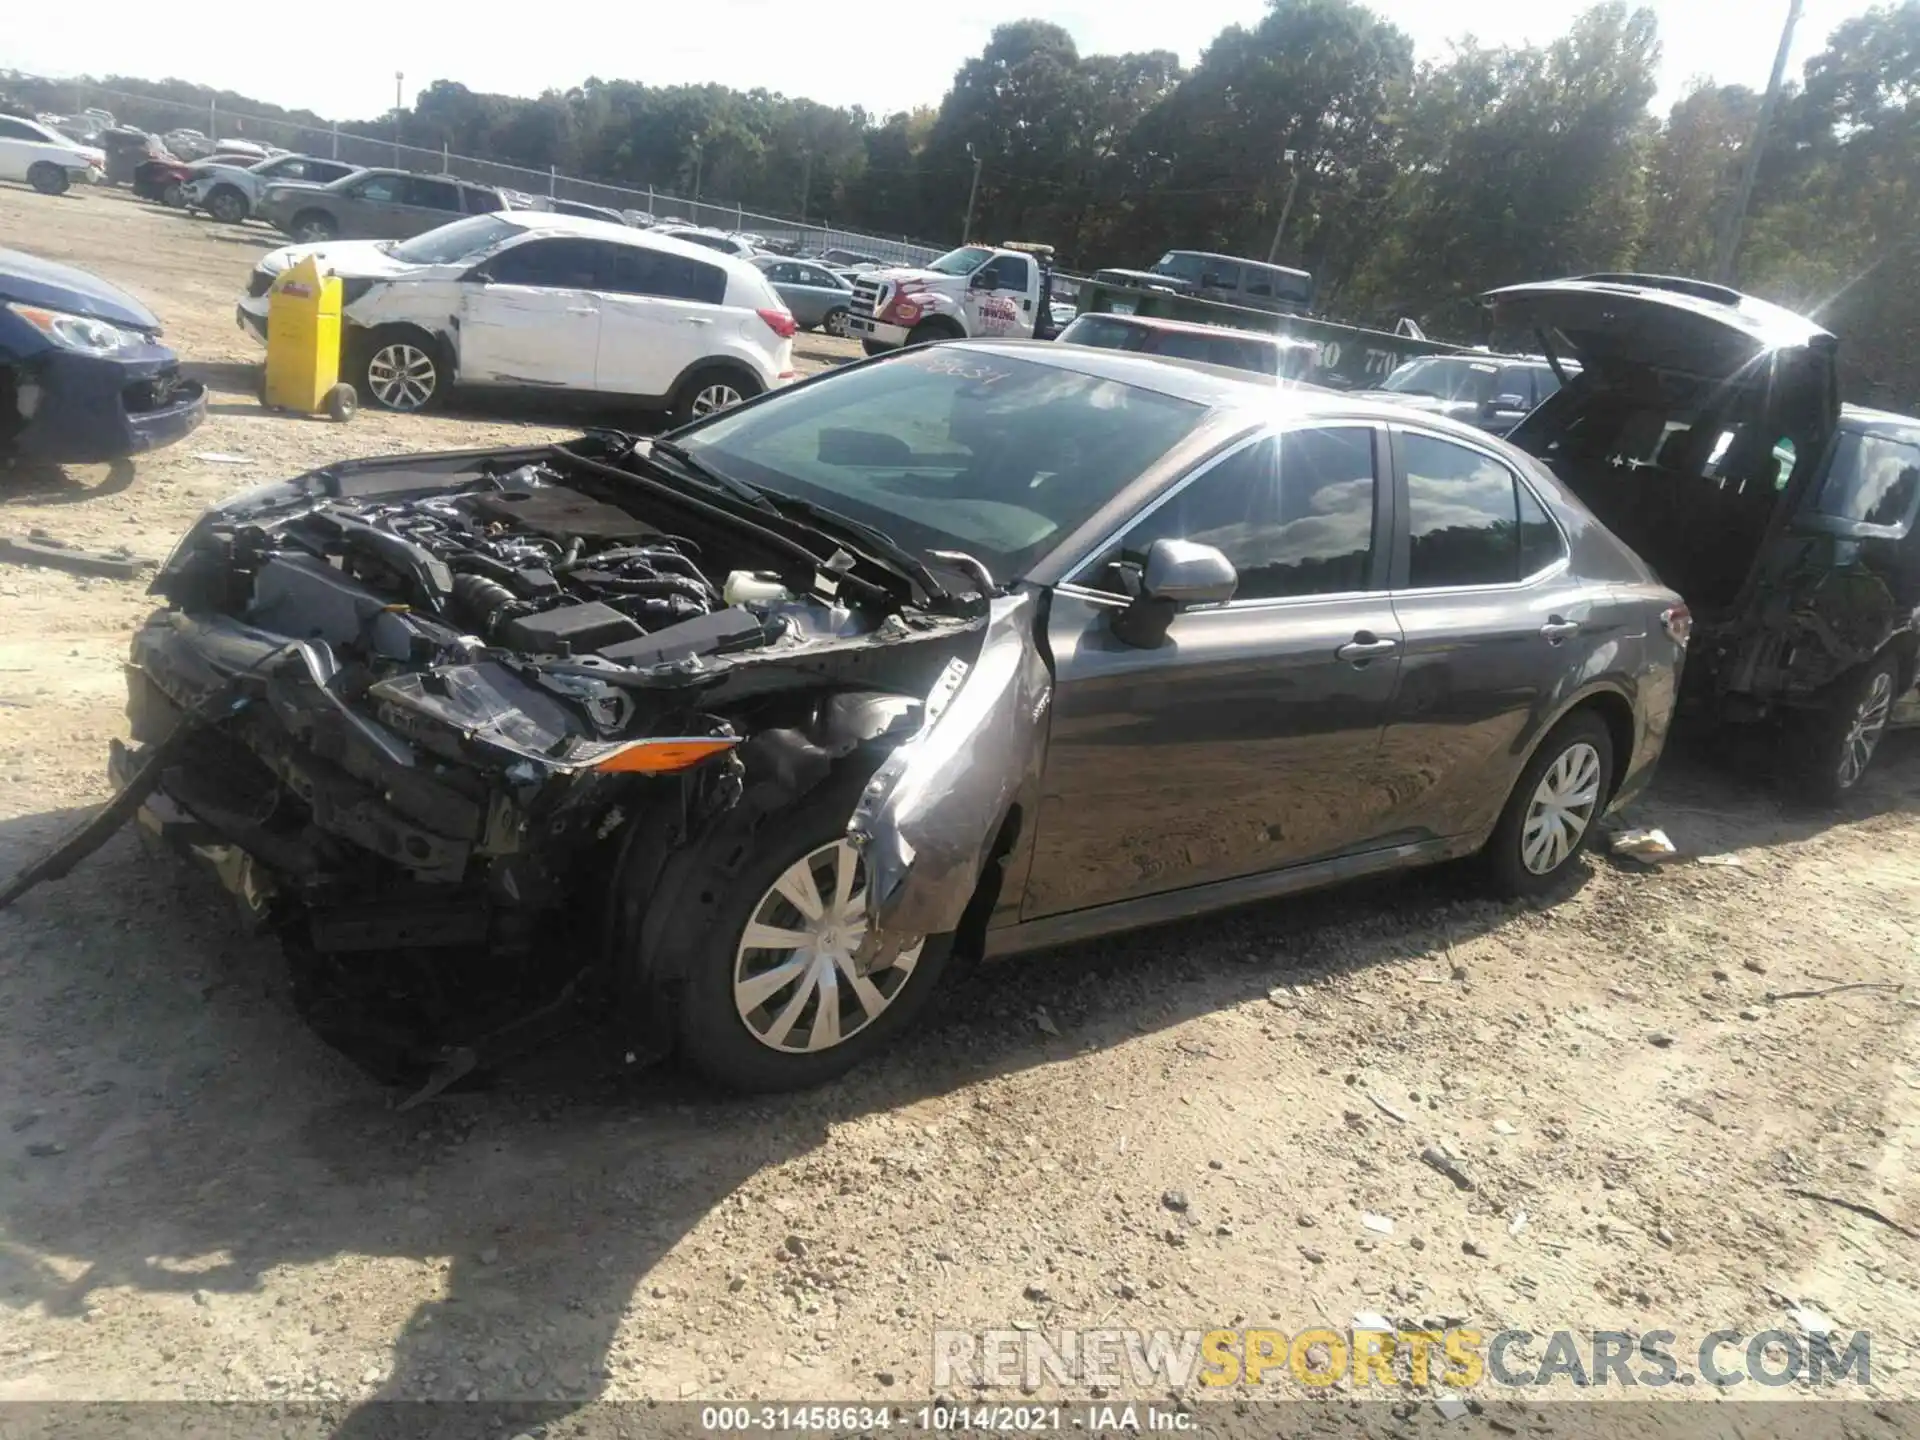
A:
x: 1182, y: 1129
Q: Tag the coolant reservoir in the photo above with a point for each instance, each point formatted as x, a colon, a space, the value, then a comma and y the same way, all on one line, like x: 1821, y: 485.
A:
x: 754, y: 587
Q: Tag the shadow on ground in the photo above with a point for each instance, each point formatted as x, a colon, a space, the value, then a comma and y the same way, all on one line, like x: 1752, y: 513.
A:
x: 196, y: 1117
x: 62, y: 484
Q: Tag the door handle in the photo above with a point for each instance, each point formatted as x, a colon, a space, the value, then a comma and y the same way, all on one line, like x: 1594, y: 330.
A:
x: 1557, y: 629
x: 581, y: 310
x: 1364, y: 646
x: 698, y: 320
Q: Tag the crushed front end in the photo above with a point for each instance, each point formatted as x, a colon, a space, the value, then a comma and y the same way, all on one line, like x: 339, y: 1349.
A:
x: 435, y: 720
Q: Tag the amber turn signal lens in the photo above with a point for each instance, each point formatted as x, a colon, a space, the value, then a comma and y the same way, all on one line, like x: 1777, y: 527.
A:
x: 662, y: 757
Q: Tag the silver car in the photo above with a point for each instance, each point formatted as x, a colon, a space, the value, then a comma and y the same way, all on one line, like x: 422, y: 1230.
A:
x: 817, y: 297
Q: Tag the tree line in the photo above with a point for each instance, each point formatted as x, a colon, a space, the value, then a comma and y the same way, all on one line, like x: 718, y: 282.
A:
x: 1407, y: 187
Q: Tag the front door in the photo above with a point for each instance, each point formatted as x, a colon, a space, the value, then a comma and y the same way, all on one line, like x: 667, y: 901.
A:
x: 531, y: 315
x: 1000, y: 297
x: 1250, y: 740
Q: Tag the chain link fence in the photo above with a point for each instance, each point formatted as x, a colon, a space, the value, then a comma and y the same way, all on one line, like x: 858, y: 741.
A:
x: 163, y: 117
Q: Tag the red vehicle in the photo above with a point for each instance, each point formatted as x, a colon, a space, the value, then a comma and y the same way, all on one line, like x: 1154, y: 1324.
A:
x: 164, y: 178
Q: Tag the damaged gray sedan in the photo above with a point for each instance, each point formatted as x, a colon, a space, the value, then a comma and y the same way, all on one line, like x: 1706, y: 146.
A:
x: 745, y: 737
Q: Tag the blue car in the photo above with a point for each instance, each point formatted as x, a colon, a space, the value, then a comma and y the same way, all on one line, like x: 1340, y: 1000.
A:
x: 83, y: 375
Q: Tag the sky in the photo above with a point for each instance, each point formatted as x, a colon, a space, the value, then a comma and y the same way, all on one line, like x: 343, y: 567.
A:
x: 881, y: 58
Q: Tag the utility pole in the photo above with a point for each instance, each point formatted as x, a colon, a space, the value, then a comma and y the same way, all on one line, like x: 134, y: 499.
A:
x: 1728, y: 250
x: 399, y: 80
x: 973, y: 193
x: 806, y: 186
x: 1292, y: 157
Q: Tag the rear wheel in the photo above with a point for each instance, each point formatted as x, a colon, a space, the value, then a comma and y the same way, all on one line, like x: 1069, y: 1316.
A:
x: 227, y: 205
x: 174, y: 196
x: 1550, y: 815
x: 48, y: 179
x: 711, y: 391
x: 1838, y: 742
x: 835, y: 322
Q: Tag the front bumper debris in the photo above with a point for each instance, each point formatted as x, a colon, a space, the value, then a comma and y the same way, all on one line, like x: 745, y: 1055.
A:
x: 88, y: 409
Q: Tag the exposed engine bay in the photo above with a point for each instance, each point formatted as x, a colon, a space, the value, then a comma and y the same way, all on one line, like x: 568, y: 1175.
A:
x: 448, y: 724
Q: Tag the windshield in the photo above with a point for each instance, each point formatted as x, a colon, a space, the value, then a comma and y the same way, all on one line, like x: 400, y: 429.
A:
x: 945, y: 449
x: 1444, y: 379
x: 964, y: 261
x: 1181, y: 265
x: 456, y: 241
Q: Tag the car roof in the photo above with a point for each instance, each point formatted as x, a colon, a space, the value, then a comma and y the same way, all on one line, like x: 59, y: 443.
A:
x: 553, y: 223
x: 1217, y: 387
x: 1865, y: 416
x: 1191, y: 327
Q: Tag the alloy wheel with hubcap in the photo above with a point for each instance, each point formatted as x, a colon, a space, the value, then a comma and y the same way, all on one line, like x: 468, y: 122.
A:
x: 1560, y: 809
x: 797, y: 986
x: 836, y: 322
x: 402, y: 376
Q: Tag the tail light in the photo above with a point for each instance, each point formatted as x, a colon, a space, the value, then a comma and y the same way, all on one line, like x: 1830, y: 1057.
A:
x: 1678, y: 623
x: 780, y: 322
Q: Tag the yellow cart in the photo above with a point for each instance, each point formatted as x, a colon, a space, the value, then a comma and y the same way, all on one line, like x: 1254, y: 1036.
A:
x: 303, y: 345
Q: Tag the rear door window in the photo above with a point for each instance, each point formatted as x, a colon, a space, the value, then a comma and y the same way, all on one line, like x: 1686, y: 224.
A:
x: 480, y: 200
x: 382, y: 189
x: 1469, y: 518
x: 1874, y: 480
x: 1220, y: 275
x: 641, y: 271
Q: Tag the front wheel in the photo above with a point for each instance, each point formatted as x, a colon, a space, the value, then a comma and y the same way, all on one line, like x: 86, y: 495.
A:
x: 1838, y: 742
x: 314, y: 227
x: 401, y: 369
x: 874, y: 347
x: 227, y: 205
x: 1550, y: 815
x: 48, y: 179
x: 772, y: 997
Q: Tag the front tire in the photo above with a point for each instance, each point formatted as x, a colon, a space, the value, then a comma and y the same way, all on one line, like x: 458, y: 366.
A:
x: 708, y: 392
x: 401, y: 369
x: 874, y: 347
x: 770, y: 998
x: 1838, y: 742
x: 227, y: 205
x: 1553, y: 810
x: 48, y: 179
x: 313, y: 227
x: 932, y: 332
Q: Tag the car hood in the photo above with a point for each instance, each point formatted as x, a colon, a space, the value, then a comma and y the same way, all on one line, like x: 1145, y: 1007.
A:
x: 34, y: 281
x: 1686, y: 325
x: 349, y: 259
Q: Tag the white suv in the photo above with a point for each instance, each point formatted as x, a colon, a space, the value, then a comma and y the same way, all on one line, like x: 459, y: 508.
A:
x: 554, y: 302
x: 43, y: 157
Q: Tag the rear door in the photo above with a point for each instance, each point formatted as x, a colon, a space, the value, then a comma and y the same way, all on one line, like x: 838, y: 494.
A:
x: 1250, y: 740
x: 531, y: 314
x: 1492, y: 624
x: 660, y: 314
x: 427, y: 204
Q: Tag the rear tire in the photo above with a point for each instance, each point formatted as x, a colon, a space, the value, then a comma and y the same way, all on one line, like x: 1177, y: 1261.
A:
x: 707, y: 392
x: 1554, y: 809
x: 1836, y: 743
x: 835, y: 322
x: 48, y: 179
x: 174, y: 196
x: 732, y: 1033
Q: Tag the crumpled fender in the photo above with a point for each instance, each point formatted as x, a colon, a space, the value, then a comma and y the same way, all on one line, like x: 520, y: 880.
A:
x: 927, y: 820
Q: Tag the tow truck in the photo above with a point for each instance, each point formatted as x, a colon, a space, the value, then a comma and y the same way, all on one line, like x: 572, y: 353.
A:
x: 1003, y: 291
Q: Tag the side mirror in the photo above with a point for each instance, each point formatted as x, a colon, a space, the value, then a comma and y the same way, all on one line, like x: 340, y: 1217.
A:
x: 1178, y: 574
x: 480, y: 276
x: 983, y: 280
